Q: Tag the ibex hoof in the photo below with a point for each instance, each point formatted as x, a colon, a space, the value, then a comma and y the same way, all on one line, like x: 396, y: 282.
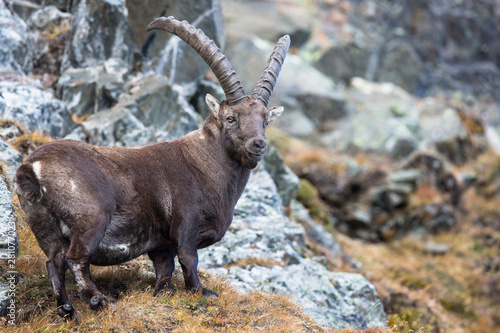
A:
x: 100, y: 301
x: 67, y: 312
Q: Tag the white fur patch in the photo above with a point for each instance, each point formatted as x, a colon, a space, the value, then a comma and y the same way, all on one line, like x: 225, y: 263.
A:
x: 64, y: 229
x: 37, y: 169
x: 73, y: 185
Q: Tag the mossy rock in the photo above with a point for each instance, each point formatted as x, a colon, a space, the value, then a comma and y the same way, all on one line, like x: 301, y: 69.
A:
x: 308, y: 195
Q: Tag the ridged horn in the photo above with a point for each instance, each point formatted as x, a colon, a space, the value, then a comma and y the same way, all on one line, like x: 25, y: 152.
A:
x: 264, y: 87
x: 210, y: 53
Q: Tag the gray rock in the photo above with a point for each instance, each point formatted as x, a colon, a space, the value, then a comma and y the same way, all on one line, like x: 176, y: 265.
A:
x: 23, y: 8
x: 92, y: 39
x: 48, y: 19
x: 10, y: 158
x: 444, y: 132
x: 343, y: 62
x: 8, y: 233
x: 295, y: 123
x: 436, y: 248
x: 35, y: 108
x: 198, y: 100
x: 284, y: 178
x: 87, y: 90
x: 171, y: 56
x: 385, y: 119
x: 401, y: 65
x: 17, y: 44
x: 315, y: 232
x: 261, y: 230
x: 151, y: 105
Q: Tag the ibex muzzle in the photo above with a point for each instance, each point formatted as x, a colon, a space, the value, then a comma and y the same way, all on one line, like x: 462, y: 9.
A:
x: 107, y: 205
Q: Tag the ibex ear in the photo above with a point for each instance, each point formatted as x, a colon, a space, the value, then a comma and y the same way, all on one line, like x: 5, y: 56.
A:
x: 275, y: 112
x: 213, y: 105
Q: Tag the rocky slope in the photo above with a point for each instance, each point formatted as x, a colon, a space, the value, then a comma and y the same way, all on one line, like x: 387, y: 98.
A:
x: 107, y: 92
x: 412, y: 162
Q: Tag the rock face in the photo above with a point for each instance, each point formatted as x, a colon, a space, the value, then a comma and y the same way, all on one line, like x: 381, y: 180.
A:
x: 35, y: 108
x: 384, y: 118
x: 17, y: 44
x: 154, y: 110
x: 172, y: 57
x: 10, y: 158
x: 107, y: 93
x: 264, y: 250
x: 423, y: 47
x: 99, y: 31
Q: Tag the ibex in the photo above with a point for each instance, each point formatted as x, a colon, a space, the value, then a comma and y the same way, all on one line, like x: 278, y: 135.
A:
x: 106, y: 205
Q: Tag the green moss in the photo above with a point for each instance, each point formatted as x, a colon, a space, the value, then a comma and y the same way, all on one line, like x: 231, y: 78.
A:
x: 308, y: 195
x: 458, y: 306
x: 410, y: 321
x: 306, y: 192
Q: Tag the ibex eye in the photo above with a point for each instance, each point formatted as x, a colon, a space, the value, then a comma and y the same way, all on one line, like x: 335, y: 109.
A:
x: 230, y: 119
x: 266, y: 123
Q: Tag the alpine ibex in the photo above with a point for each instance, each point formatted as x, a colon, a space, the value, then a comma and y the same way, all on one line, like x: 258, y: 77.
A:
x: 107, y: 205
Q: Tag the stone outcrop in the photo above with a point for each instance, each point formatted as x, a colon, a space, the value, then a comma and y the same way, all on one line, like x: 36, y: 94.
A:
x: 99, y: 30
x: 265, y: 250
x: 17, y: 43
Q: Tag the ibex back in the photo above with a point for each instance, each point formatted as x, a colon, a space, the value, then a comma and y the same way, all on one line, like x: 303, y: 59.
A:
x: 107, y: 205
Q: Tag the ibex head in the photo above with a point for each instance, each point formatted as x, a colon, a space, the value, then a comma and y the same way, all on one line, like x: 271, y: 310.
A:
x: 241, y: 119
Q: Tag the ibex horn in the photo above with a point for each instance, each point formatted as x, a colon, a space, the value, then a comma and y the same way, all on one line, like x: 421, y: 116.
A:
x: 267, y: 80
x: 207, y: 49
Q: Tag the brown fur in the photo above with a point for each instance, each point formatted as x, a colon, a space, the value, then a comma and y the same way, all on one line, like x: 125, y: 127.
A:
x: 106, y: 205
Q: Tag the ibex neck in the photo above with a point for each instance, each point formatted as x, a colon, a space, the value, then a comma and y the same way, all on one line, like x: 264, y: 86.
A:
x: 203, y: 150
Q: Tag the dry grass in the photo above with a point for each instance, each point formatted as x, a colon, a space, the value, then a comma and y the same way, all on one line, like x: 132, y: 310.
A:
x: 27, y: 143
x: 138, y: 311
x: 441, y: 293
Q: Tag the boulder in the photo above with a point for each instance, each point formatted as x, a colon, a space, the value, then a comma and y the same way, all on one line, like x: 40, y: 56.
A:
x: 316, y: 233
x: 343, y: 62
x: 401, y: 65
x: 333, y: 299
x: 443, y: 131
x: 99, y: 30
x: 89, y: 89
x: 35, y: 108
x: 17, y: 44
x: 171, y: 56
x: 49, y: 21
x: 284, y: 178
x: 295, y: 123
x: 152, y: 105
x: 384, y: 119
x: 25, y: 8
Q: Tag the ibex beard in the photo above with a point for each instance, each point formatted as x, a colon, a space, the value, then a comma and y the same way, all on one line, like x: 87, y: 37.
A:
x: 106, y: 205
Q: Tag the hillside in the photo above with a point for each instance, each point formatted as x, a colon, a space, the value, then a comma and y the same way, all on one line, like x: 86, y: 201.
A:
x: 375, y: 209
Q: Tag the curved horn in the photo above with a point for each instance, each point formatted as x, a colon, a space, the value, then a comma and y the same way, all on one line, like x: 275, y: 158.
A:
x: 207, y: 49
x: 264, y: 87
